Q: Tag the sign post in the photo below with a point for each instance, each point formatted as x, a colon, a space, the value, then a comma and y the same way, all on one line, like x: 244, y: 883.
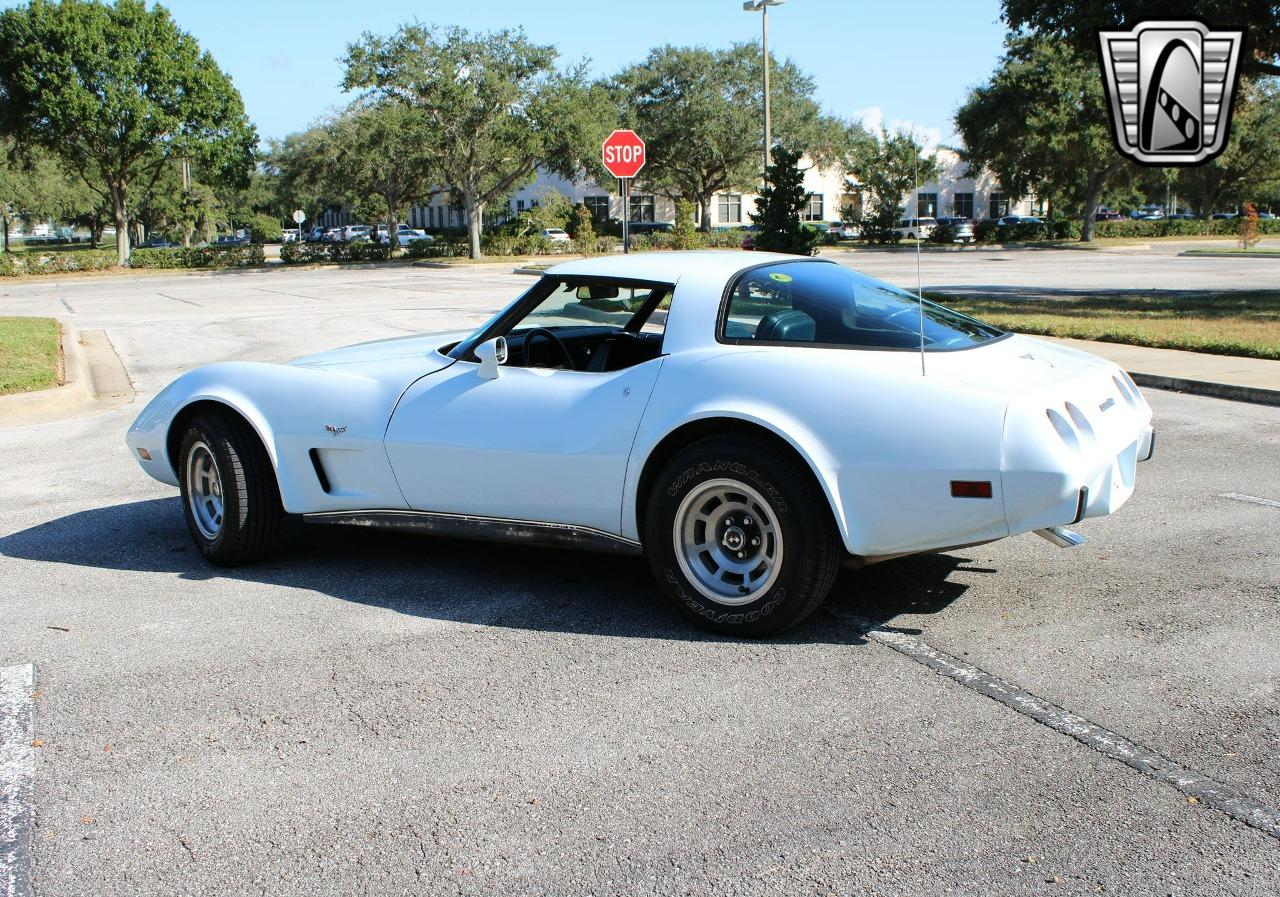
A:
x: 299, y: 216
x: 626, y: 213
x: 623, y: 154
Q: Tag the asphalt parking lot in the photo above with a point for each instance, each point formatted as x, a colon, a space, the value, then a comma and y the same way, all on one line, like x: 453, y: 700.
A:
x: 388, y: 715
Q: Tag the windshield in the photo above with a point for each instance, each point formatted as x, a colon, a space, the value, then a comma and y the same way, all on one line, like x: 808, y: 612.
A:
x: 825, y: 304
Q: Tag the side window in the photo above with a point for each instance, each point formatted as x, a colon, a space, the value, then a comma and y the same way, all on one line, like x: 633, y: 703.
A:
x: 761, y: 308
x: 590, y: 325
x: 808, y: 303
x: 597, y: 305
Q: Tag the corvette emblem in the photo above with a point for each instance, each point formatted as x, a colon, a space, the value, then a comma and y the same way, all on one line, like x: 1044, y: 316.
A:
x: 1027, y: 356
x: 1169, y: 88
x: 336, y: 431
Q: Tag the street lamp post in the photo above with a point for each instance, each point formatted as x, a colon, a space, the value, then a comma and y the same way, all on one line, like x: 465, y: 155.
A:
x: 762, y: 7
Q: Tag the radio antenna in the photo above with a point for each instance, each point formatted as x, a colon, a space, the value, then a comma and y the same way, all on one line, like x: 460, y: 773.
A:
x: 919, y: 229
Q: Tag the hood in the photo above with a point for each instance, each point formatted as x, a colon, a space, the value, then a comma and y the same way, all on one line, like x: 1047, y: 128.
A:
x: 420, y: 347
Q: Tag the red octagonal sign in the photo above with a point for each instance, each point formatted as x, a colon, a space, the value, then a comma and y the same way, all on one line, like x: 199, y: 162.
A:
x: 623, y: 153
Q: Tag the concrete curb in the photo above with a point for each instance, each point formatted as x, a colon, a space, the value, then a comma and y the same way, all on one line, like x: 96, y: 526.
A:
x: 94, y: 377
x: 1211, y: 254
x: 1254, y: 394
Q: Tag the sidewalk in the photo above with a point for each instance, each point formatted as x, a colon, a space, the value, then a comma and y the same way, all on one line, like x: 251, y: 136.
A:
x: 1221, y: 376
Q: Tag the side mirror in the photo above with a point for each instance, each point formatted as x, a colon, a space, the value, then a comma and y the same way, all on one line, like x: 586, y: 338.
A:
x: 491, y: 353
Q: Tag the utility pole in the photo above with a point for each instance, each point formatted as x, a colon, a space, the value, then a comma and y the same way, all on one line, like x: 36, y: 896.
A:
x: 762, y: 7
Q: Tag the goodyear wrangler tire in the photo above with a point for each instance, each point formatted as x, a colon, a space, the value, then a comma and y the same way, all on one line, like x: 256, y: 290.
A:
x: 229, y: 494
x: 740, y: 537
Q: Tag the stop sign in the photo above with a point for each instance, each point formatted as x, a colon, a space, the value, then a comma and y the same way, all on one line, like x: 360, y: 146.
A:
x: 623, y: 153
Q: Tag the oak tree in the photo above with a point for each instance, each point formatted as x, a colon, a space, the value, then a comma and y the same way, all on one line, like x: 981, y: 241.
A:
x: 700, y: 112
x: 118, y: 91
x: 493, y: 107
x: 1040, y: 125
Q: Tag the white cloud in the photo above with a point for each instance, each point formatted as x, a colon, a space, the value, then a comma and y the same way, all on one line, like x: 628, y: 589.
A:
x: 872, y: 119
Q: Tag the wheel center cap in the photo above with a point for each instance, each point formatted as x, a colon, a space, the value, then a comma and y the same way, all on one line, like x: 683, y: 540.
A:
x: 734, y: 538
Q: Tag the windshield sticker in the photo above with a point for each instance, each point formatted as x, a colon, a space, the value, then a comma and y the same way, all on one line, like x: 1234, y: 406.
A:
x: 780, y: 278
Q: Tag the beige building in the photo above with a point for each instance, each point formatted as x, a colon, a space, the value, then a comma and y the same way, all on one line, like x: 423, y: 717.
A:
x: 827, y: 196
x: 957, y: 192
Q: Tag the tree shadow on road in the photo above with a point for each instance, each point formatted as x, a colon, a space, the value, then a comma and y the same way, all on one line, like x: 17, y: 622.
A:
x: 493, y: 584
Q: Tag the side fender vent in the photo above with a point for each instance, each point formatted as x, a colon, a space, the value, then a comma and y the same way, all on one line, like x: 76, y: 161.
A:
x: 319, y: 467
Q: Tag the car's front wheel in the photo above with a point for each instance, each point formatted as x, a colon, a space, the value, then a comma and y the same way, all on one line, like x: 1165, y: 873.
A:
x: 740, y: 537
x: 229, y: 494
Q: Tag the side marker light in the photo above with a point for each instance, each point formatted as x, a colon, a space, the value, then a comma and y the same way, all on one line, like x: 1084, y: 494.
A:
x: 970, y: 488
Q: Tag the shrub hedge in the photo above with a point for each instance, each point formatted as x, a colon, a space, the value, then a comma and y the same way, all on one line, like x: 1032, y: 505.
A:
x: 506, y: 244
x: 17, y: 264
x: 986, y: 231
x: 198, y: 257
x: 308, y: 253
x: 730, y: 238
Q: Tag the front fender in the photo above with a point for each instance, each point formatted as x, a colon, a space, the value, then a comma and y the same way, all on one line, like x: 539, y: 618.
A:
x: 289, y: 408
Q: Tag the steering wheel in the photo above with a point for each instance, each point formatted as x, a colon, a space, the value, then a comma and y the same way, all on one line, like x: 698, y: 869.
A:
x: 555, y: 340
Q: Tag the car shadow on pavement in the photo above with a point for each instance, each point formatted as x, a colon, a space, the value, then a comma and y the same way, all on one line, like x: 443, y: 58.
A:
x: 484, y: 583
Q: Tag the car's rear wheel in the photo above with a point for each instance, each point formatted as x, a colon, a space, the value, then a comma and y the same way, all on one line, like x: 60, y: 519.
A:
x: 740, y: 537
x: 229, y: 494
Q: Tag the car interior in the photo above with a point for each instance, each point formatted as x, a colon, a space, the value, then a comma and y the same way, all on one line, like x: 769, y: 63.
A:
x: 593, y: 327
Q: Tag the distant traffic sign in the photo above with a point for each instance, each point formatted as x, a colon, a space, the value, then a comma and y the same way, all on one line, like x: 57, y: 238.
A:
x: 299, y: 216
x: 623, y: 153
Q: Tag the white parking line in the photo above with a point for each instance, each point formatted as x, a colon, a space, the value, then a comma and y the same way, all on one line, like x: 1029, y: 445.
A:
x: 1251, y: 499
x: 17, y: 770
x: 1117, y: 747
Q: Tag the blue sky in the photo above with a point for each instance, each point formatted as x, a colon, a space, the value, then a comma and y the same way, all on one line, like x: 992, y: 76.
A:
x: 896, y: 62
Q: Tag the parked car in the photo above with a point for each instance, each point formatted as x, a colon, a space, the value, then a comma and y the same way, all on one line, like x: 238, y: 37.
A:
x: 554, y: 234
x: 1266, y: 216
x: 1223, y: 216
x: 404, y: 236
x: 730, y: 469
x: 331, y: 235
x: 1108, y: 215
x: 1010, y: 220
x: 289, y: 235
x: 963, y: 228
x: 916, y: 228
x: 353, y: 232
x: 635, y: 228
x: 1183, y: 216
x: 157, y: 243
x: 232, y: 240
x: 847, y: 231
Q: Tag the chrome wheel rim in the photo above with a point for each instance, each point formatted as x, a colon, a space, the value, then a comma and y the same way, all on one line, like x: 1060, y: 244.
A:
x: 728, y: 542
x: 204, y: 490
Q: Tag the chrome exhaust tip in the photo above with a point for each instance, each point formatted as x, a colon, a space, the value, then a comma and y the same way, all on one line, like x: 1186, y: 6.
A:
x: 1061, y: 536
